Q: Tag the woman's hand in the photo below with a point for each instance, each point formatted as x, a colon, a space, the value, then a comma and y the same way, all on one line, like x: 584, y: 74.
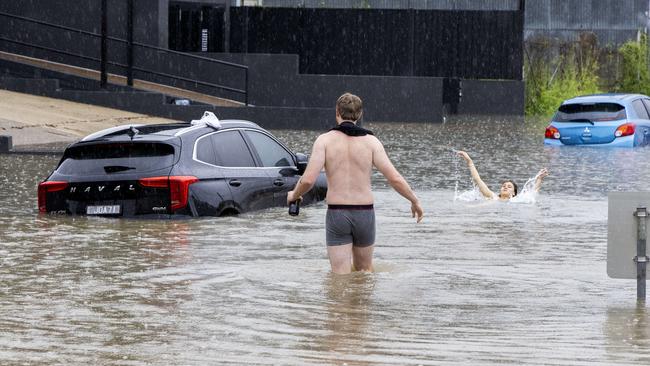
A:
x: 542, y: 173
x: 540, y: 176
x: 465, y: 156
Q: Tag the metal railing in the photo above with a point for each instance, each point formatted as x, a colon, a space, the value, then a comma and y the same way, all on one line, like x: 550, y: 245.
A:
x: 129, y: 67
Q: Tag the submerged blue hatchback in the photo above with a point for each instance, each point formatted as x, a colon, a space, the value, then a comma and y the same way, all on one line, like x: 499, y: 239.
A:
x: 601, y: 120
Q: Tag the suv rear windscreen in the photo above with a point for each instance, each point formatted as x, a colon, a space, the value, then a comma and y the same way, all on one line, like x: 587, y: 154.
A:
x: 115, y: 158
x: 592, y: 112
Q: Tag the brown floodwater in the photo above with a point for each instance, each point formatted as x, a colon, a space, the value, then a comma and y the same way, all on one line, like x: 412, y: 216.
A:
x: 477, y: 283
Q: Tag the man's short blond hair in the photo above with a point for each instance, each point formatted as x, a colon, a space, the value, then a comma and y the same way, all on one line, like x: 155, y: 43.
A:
x: 349, y: 107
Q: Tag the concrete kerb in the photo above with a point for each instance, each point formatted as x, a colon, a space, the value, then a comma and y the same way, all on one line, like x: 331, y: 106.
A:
x: 7, y: 148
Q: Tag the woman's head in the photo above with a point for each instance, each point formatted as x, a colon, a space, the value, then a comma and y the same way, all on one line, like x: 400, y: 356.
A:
x: 508, y: 189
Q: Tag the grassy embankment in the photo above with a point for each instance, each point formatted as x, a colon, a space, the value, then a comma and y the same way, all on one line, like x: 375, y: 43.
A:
x: 554, y: 73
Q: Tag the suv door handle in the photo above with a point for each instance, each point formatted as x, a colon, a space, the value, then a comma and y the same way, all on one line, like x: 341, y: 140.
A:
x: 278, y: 182
x: 235, y: 183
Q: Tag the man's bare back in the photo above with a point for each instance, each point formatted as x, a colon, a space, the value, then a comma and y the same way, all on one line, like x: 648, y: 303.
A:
x: 348, y: 163
x: 348, y: 167
x: 348, y: 159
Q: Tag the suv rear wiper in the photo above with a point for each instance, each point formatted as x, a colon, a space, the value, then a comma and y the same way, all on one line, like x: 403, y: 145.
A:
x: 116, y: 168
x: 582, y: 120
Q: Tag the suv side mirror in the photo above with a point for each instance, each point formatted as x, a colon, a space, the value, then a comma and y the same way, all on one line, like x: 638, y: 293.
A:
x: 301, y: 162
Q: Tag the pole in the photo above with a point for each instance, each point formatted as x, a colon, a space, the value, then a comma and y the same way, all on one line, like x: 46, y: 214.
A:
x: 412, y: 41
x: 103, y: 81
x: 129, y: 49
x: 246, y: 81
x: 641, y: 259
x: 245, y: 35
x: 226, y: 28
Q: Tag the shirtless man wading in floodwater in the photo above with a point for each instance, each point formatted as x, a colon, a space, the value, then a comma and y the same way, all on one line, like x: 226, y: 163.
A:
x: 348, y: 153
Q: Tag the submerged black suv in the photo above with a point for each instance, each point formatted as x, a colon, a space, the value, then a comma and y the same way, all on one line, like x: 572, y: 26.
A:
x: 203, y: 168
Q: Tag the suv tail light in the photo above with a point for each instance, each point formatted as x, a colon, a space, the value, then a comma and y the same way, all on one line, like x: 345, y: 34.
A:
x: 625, y: 130
x: 178, y: 188
x: 552, y: 133
x: 46, y: 187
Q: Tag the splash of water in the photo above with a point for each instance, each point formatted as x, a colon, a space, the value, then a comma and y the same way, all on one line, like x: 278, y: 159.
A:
x: 473, y: 194
x: 528, y: 194
x: 456, y: 172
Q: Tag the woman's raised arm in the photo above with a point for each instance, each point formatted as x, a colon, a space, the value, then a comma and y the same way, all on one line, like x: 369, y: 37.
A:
x: 540, y: 176
x: 476, y: 177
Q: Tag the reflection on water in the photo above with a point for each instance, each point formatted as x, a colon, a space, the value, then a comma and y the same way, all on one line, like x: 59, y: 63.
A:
x: 628, y: 328
x: 348, y: 307
x: 476, y: 283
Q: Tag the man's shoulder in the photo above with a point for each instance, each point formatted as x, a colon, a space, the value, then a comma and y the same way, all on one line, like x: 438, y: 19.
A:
x: 373, y: 140
x: 328, y: 136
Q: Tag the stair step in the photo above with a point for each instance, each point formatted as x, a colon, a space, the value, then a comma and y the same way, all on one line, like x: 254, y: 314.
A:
x: 30, y: 86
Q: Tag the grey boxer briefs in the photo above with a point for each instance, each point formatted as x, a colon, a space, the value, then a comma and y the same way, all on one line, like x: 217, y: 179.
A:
x: 345, y: 224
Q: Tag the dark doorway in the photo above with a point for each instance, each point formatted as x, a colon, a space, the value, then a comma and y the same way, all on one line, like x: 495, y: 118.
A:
x: 196, y: 27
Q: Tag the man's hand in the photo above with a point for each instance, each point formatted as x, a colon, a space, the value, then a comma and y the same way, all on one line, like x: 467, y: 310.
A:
x: 291, y: 198
x: 417, y: 211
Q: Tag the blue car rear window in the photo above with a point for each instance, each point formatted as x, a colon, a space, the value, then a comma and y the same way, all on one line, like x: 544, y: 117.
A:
x: 592, y: 112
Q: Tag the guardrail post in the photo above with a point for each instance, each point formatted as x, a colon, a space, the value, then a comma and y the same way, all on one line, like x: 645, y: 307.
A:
x: 246, y: 86
x: 103, y: 81
x: 641, y: 259
x: 129, y: 48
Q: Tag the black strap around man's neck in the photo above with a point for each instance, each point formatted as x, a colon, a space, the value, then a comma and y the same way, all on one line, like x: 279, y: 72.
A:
x: 351, y: 129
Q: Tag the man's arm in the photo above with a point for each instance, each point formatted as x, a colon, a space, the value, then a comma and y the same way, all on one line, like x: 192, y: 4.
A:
x: 382, y: 162
x: 314, y: 167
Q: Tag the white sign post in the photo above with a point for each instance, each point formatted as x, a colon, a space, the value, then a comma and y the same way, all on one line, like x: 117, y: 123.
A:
x: 627, y: 231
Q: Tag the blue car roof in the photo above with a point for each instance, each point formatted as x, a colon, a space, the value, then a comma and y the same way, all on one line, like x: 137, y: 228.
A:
x: 603, y: 98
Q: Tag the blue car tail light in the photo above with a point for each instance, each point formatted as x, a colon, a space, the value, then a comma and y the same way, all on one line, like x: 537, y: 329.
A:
x: 625, y: 130
x: 552, y: 133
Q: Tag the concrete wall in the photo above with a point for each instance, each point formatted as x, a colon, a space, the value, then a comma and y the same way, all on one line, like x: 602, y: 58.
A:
x: 274, y: 81
x: 492, y: 97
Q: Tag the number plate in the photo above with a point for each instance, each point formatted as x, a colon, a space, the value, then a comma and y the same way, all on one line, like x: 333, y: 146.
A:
x: 103, y: 210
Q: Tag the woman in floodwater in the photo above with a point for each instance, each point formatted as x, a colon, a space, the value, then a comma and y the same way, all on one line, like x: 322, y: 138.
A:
x: 508, y: 187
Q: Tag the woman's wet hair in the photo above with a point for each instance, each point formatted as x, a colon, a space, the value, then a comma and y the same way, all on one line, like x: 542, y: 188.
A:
x: 513, y: 184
